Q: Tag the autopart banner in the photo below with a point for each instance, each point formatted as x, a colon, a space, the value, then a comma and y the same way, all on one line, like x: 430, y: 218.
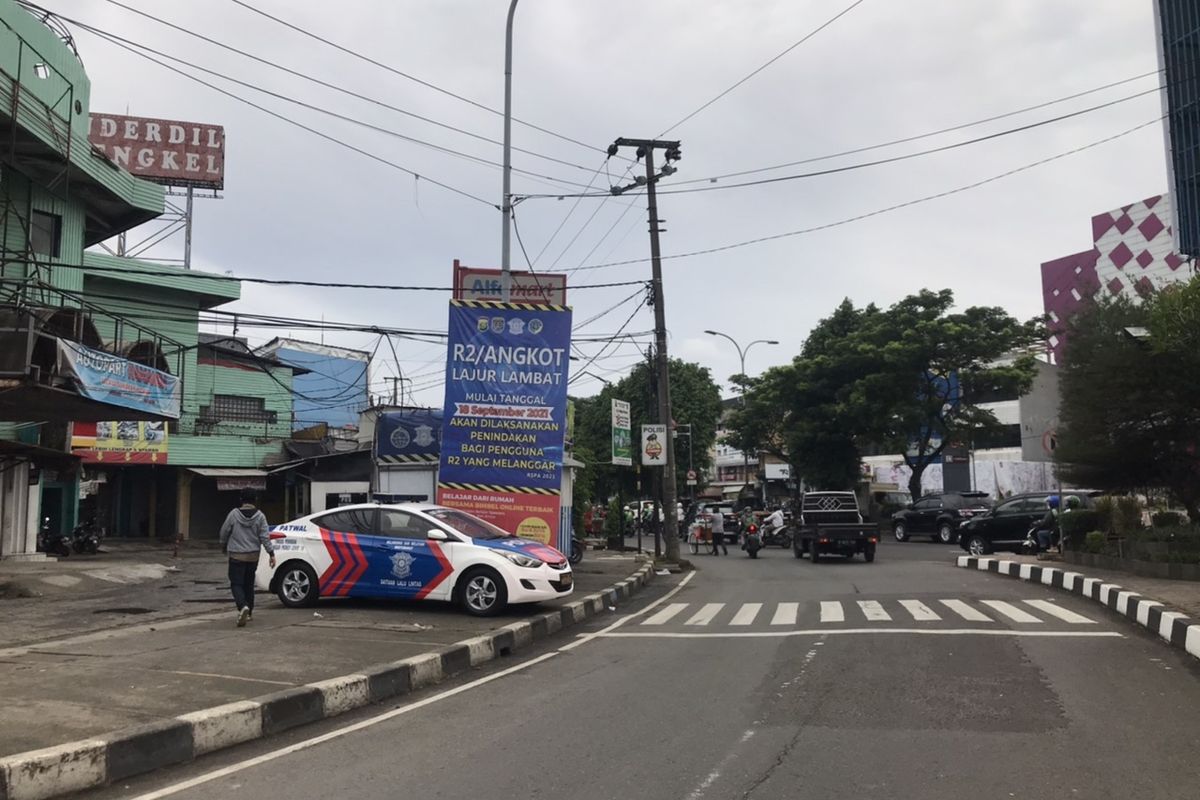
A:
x: 111, y: 379
x: 505, y: 414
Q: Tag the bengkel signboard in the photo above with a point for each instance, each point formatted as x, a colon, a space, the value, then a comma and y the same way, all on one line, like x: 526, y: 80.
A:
x: 165, y: 151
x: 474, y: 283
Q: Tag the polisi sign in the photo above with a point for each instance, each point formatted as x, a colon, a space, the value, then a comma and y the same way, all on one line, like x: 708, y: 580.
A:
x: 169, y: 152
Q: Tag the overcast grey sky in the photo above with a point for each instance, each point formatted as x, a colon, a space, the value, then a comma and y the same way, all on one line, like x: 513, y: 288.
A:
x: 298, y: 206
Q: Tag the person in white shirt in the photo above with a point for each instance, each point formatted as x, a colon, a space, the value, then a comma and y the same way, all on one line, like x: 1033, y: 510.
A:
x: 718, y: 533
x: 773, y: 522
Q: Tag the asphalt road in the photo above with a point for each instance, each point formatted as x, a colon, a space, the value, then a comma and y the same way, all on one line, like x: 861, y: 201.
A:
x: 774, y: 678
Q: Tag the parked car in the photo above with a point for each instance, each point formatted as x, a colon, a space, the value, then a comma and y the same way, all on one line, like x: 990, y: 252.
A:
x: 939, y: 516
x: 412, y: 551
x: 1005, y: 526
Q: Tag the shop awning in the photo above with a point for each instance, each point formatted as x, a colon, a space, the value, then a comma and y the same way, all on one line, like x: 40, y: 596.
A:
x: 731, y: 491
x: 232, y: 479
x: 39, y: 456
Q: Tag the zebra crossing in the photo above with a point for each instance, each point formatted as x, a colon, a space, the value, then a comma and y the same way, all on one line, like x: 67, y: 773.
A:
x: 834, y: 612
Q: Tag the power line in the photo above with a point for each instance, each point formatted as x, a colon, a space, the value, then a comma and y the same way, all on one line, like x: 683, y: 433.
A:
x: 919, y: 136
x: 877, y: 212
x: 602, y: 350
x: 787, y: 50
x: 893, y: 159
x: 405, y: 75
x: 328, y: 85
x: 130, y: 45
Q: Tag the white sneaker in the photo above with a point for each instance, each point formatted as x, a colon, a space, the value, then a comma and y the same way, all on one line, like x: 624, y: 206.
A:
x: 243, y: 615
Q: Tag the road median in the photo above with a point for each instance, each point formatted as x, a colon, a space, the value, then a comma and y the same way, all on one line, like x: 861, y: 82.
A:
x: 165, y: 740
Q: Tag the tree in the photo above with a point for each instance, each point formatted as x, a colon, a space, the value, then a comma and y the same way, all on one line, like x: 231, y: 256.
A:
x: 901, y: 378
x: 1129, y: 418
x: 695, y: 401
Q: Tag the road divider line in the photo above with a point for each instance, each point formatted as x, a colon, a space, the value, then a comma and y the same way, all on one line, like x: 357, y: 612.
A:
x: 965, y: 611
x: 1011, y: 611
x: 746, y: 614
x: 786, y: 614
x: 831, y: 611
x: 858, y: 631
x: 1065, y: 614
x: 920, y: 612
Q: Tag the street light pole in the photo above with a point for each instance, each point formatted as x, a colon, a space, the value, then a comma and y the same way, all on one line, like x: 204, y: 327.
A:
x: 506, y: 200
x: 742, y: 358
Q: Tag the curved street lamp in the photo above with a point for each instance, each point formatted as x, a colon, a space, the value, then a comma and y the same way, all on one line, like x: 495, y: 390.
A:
x: 742, y: 351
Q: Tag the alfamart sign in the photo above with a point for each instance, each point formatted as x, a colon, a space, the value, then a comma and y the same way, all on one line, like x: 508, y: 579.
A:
x: 165, y: 151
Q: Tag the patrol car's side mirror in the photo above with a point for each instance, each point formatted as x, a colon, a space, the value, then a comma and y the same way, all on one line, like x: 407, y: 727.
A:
x: 437, y: 535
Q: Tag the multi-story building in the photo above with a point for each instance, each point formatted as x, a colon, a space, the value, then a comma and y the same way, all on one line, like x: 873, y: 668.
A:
x: 334, y: 388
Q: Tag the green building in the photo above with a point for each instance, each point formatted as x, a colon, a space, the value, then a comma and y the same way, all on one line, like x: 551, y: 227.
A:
x: 194, y: 416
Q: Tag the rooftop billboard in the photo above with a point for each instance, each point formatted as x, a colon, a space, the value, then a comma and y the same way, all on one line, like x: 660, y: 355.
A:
x: 165, y: 151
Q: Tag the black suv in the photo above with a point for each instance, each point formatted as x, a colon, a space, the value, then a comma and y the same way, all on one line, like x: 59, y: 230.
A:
x: 1006, y: 525
x: 939, y: 515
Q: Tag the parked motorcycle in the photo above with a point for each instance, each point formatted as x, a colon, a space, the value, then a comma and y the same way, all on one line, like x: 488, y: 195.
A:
x: 52, y: 542
x: 576, y: 554
x: 752, y: 541
x: 86, y: 538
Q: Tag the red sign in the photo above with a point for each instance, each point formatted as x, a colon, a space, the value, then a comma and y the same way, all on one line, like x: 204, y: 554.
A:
x: 471, y: 283
x: 162, y: 150
x: 530, y: 516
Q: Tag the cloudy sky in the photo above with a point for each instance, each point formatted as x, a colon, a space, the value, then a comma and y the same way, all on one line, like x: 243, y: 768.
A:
x: 299, y: 206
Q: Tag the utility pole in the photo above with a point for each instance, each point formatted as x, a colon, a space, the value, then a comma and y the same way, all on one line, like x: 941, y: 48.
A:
x: 646, y: 148
x: 506, y: 200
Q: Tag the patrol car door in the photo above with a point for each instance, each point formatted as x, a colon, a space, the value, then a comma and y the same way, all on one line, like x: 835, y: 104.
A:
x: 404, y: 563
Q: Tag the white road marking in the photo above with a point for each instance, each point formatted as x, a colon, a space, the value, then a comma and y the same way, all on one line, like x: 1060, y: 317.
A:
x: 664, y: 616
x: 920, y: 612
x: 965, y: 611
x: 1054, y: 610
x: 873, y: 611
x: 1011, y: 611
x: 786, y: 614
x: 207, y: 777
x: 705, y: 614
x: 831, y: 611
x: 861, y: 631
x: 746, y: 614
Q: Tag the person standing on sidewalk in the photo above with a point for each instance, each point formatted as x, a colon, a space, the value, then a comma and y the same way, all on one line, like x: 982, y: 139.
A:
x: 243, y: 537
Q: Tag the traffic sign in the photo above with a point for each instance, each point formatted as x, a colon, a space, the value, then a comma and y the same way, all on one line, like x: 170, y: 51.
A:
x: 691, y: 477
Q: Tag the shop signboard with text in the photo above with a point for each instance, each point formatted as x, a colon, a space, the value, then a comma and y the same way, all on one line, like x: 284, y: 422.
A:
x: 505, y: 414
x: 106, y: 378
x: 622, y: 434
x: 116, y: 443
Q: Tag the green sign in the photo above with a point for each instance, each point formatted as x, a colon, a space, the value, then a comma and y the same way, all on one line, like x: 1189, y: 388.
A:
x: 622, y: 434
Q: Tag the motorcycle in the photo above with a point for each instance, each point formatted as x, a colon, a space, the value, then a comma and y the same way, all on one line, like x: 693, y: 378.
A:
x: 86, y: 538
x: 752, y: 541
x: 576, y: 554
x: 52, y: 542
x: 781, y: 536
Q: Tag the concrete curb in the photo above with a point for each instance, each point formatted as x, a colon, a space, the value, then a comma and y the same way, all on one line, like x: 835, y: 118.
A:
x: 1174, y: 627
x: 101, y: 760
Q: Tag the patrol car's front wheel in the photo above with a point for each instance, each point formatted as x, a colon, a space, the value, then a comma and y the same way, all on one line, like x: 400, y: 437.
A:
x: 297, y: 586
x: 482, y: 593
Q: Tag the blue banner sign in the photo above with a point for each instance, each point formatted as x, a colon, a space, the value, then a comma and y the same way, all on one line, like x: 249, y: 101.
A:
x: 506, y: 395
x: 118, y: 381
x: 412, y: 436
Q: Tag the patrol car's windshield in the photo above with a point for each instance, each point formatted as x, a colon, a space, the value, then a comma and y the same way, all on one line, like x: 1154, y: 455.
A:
x: 468, y: 525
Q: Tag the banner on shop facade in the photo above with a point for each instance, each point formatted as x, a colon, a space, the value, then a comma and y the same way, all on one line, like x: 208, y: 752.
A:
x: 505, y: 414
x: 106, y: 378
x: 120, y: 442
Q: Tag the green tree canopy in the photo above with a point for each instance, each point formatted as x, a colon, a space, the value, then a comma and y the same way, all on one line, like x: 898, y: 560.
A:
x: 695, y: 401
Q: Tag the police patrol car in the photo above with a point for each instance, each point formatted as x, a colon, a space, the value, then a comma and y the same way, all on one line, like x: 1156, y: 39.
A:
x: 414, y: 551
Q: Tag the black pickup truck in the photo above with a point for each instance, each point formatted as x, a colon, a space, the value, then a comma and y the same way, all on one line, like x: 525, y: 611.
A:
x: 831, y: 524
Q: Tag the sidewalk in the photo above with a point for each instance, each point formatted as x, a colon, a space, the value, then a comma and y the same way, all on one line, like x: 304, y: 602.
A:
x: 80, y: 664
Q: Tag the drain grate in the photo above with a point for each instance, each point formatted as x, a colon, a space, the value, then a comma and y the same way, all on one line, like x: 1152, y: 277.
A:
x: 124, y: 610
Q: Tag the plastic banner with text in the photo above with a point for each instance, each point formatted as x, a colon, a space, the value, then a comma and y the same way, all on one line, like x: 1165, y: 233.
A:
x: 505, y: 415
x: 117, y: 381
x: 113, y: 442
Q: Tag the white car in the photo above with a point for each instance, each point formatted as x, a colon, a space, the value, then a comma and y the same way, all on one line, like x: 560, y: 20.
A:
x: 414, y: 551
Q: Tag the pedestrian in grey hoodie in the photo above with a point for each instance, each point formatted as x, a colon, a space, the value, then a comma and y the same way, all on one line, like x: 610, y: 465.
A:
x: 243, y: 536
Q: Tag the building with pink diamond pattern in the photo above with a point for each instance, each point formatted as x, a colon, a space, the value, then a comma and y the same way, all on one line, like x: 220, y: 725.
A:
x: 1131, y: 252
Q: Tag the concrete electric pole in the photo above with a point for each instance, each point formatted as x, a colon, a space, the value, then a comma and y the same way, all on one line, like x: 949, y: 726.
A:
x: 646, y: 148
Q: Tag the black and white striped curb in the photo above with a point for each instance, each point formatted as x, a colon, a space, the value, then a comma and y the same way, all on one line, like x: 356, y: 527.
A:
x: 1174, y: 627
x: 102, y: 760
